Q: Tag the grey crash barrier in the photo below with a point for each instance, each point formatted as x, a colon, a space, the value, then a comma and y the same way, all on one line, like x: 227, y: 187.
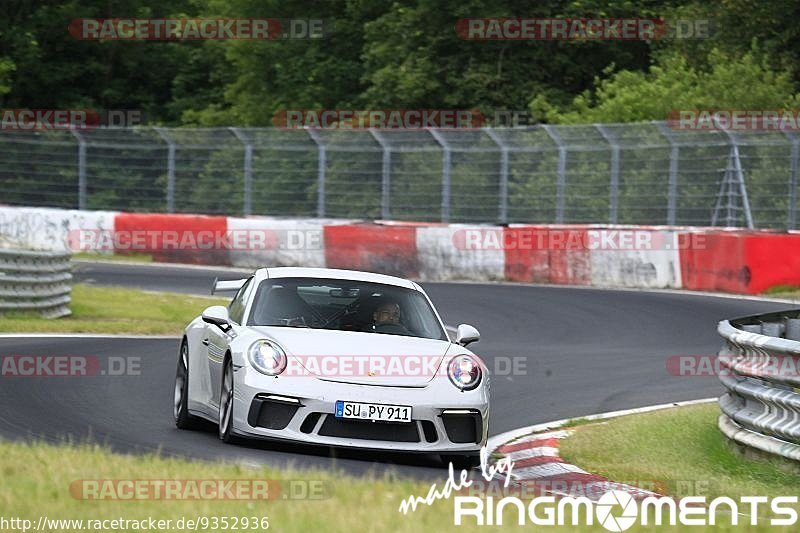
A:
x: 35, y: 281
x: 759, y: 365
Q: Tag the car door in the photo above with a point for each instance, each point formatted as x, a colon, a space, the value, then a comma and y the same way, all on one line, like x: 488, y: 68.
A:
x: 216, y: 340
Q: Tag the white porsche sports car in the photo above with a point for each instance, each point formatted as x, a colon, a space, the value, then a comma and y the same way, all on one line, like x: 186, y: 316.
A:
x: 336, y: 358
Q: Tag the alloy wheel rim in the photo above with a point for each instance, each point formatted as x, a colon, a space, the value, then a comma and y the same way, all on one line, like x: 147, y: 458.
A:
x: 180, y: 381
x: 226, y: 402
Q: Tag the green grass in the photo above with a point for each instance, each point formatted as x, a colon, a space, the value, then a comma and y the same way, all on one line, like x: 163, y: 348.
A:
x: 573, y: 422
x: 680, y: 448
x: 40, y: 480
x: 677, y: 444
x: 115, y: 310
x: 37, y: 478
x: 132, y: 257
x: 784, y: 291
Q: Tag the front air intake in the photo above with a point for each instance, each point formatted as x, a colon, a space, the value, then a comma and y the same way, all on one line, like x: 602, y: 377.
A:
x: 462, y: 425
x: 272, y: 412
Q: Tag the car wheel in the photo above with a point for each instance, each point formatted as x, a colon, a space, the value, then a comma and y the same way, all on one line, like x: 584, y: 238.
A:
x: 180, y: 410
x: 226, y: 404
x: 462, y: 462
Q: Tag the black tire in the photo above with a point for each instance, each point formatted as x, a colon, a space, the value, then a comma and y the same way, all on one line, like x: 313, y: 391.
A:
x: 180, y: 407
x: 462, y: 462
x: 226, y: 404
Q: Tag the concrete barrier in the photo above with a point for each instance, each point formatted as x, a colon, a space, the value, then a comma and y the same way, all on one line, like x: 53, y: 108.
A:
x: 734, y: 261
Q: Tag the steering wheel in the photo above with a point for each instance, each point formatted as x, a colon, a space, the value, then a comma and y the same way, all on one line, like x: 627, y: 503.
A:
x: 394, y: 329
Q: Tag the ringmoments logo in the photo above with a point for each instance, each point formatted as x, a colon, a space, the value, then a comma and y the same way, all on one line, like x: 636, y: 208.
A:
x: 608, y: 503
x: 617, y: 510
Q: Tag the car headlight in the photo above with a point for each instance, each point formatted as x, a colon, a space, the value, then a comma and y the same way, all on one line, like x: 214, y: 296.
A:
x: 464, y: 372
x: 267, y: 357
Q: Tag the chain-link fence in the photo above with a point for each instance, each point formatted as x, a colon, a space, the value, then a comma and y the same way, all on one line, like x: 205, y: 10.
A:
x: 642, y: 173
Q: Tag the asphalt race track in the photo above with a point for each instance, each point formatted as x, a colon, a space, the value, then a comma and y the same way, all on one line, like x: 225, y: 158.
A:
x: 584, y: 351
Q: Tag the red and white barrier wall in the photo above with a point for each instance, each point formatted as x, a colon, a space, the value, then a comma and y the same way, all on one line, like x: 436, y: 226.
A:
x: 735, y: 261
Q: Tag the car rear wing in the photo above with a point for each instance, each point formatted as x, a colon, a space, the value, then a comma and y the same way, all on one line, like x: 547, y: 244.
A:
x: 232, y: 285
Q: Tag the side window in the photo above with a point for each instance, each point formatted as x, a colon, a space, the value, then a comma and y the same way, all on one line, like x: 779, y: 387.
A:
x: 236, y: 308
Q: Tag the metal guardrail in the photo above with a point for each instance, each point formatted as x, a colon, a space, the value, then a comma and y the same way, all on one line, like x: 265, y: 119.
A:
x: 760, y: 368
x: 35, y: 280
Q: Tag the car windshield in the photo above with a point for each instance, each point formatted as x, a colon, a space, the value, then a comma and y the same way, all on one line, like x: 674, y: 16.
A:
x: 344, y: 305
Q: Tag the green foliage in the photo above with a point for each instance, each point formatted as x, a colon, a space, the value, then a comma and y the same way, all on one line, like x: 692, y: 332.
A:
x: 672, y: 84
x: 402, y: 54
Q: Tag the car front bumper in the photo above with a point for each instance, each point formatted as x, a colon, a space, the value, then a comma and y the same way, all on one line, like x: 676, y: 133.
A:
x: 444, y: 419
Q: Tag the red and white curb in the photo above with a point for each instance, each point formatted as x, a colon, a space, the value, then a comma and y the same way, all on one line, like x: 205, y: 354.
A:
x: 540, y: 470
x: 537, y: 465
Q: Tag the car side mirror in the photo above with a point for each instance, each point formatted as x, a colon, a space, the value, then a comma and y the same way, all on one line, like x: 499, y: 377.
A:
x: 218, y: 316
x: 467, y: 334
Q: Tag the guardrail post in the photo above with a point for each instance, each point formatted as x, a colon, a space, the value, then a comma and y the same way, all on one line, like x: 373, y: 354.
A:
x: 792, y: 212
x: 386, y: 176
x: 672, y: 183
x: 321, y: 164
x: 447, y: 163
x: 561, y: 183
x: 162, y: 132
x: 502, y: 208
x: 737, y: 168
x: 248, y: 170
x: 81, y: 169
x: 613, y: 195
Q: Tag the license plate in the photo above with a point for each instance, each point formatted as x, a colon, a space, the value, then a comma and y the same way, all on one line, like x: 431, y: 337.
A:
x: 373, y: 411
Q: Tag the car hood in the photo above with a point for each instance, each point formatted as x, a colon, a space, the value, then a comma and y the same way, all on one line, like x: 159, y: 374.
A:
x: 357, y: 357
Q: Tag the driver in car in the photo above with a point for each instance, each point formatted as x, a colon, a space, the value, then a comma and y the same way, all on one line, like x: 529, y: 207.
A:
x: 386, y: 319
